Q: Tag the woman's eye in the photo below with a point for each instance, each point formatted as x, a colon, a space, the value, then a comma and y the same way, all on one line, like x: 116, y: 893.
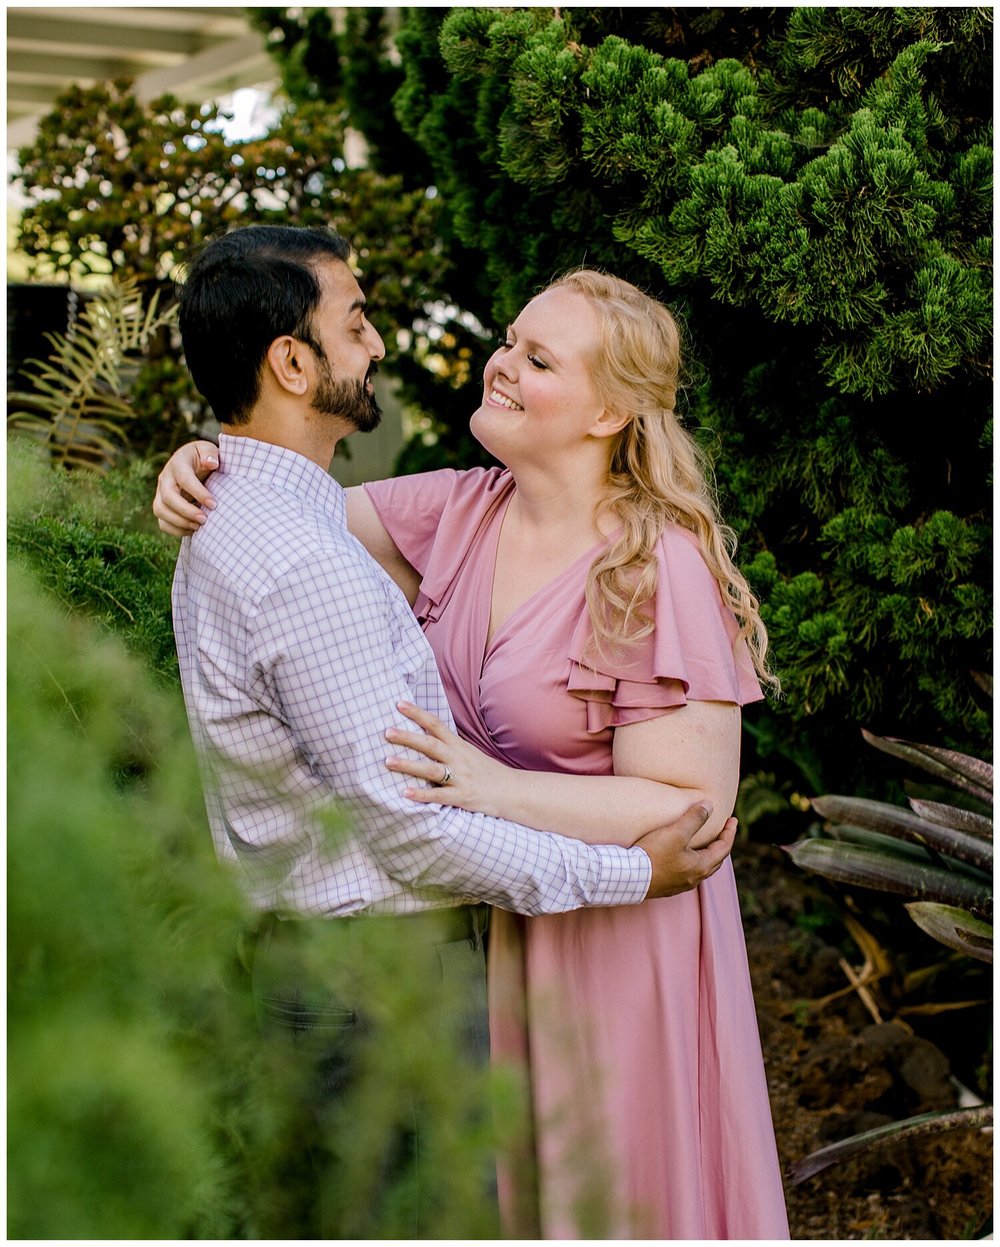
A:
x: 503, y: 344
x: 536, y: 362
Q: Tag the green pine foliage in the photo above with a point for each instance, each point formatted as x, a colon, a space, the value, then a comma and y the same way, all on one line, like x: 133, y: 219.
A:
x: 92, y: 542
x: 810, y: 189
x: 120, y: 946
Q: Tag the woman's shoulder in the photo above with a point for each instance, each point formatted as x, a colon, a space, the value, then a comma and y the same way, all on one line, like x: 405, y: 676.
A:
x: 682, y: 566
x: 694, y: 621
x: 437, y: 490
x: 482, y: 485
x: 680, y: 550
x: 432, y: 515
x: 692, y: 652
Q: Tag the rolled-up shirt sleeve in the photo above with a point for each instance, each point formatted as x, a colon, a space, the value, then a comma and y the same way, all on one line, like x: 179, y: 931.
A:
x: 333, y: 663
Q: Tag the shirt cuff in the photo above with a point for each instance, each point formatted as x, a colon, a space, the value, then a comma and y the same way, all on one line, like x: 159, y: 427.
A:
x: 625, y: 876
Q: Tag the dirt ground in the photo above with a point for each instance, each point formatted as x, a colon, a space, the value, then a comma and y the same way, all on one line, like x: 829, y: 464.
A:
x: 839, y: 1068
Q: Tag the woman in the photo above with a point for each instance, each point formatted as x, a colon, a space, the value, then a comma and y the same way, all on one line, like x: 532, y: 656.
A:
x: 583, y: 607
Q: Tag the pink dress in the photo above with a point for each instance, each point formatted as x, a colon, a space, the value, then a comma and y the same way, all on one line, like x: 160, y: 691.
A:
x: 632, y: 1029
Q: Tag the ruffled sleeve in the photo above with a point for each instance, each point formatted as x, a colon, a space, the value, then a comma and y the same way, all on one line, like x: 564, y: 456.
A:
x: 435, y: 518
x: 690, y: 654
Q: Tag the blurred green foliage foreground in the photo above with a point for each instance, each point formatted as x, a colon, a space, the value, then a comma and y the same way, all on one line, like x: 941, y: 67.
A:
x: 142, y: 1100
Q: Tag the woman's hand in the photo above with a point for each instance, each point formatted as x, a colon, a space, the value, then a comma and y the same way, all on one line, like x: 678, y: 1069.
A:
x: 180, y: 494
x: 476, y: 782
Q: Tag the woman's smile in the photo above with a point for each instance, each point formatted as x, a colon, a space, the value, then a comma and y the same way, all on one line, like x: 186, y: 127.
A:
x: 497, y: 399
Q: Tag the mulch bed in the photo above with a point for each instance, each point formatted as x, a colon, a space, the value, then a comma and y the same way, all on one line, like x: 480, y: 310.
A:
x: 841, y: 1067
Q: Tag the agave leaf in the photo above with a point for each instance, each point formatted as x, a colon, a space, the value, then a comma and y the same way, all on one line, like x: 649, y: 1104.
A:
x: 949, y: 1006
x: 903, y: 849
x: 894, y: 821
x: 955, y: 928
x: 977, y: 771
x: 869, y: 868
x: 973, y: 775
x: 970, y: 775
x: 954, y: 816
x: 895, y: 1132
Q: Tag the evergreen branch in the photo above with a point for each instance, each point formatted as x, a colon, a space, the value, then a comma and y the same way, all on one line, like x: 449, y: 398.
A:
x: 48, y: 671
x: 109, y: 595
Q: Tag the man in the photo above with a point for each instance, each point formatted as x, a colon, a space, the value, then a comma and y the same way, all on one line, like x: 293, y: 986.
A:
x: 295, y: 647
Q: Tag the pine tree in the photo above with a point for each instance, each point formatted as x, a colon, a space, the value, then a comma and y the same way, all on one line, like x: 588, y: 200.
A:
x: 810, y: 189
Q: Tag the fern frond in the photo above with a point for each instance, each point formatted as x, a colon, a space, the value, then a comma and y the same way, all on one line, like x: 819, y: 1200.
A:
x: 79, y: 403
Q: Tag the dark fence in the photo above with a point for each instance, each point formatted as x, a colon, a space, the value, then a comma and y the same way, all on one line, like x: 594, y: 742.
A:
x: 33, y: 310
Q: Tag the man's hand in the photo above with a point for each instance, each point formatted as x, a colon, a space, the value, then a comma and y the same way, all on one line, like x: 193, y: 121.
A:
x: 677, y: 867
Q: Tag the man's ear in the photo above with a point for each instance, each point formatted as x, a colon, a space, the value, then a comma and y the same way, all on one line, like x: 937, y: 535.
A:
x: 609, y: 422
x: 286, y: 359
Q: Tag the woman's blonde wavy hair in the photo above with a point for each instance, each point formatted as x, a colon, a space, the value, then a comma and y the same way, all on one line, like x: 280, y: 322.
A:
x: 659, y: 474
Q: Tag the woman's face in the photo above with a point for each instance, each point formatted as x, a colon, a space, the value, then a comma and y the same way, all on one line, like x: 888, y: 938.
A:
x: 539, y: 398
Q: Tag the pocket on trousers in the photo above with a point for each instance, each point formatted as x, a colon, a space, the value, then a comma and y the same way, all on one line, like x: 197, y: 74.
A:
x: 296, y: 1014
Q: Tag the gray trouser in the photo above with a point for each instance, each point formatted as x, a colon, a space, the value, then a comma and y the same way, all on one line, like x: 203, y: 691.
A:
x: 375, y: 1030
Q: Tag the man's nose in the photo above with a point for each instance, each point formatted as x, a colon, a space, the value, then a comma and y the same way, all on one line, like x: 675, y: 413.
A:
x: 375, y: 344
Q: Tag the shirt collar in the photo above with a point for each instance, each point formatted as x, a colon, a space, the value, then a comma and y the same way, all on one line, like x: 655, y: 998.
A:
x: 284, y: 469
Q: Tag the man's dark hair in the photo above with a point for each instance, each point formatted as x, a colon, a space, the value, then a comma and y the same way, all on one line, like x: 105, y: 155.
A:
x: 243, y: 290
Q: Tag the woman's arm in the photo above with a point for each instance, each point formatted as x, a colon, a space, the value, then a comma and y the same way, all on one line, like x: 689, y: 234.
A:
x: 181, y: 499
x: 662, y: 766
x: 364, y: 523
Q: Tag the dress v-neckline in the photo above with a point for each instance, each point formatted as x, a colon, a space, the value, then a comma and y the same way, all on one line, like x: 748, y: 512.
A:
x: 490, y: 642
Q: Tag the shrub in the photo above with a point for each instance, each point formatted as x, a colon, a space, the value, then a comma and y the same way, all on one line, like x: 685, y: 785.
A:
x: 91, y: 542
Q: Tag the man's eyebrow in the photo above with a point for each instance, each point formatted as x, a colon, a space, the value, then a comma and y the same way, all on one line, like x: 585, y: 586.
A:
x: 358, y: 305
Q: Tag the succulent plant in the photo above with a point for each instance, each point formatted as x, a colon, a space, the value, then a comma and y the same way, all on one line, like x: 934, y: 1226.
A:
x: 939, y: 855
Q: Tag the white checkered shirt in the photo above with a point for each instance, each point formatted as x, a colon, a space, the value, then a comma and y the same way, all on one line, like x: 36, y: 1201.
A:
x: 294, y: 649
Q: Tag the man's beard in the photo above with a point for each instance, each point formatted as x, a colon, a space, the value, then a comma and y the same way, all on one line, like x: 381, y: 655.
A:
x: 348, y: 399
